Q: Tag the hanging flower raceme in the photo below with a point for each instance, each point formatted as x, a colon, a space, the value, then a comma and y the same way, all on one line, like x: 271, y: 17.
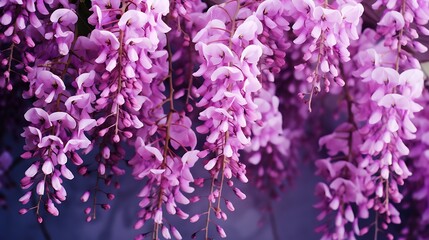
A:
x: 343, y: 198
x: 168, y: 177
x: 230, y: 51
x: 332, y: 27
x: 399, y: 102
x: 387, y: 101
x: 129, y: 38
x: 159, y: 161
x: 49, y: 141
x: 344, y: 201
x: 53, y: 136
x: 128, y: 48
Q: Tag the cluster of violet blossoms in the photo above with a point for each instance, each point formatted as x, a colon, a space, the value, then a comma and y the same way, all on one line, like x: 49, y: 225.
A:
x: 198, y: 97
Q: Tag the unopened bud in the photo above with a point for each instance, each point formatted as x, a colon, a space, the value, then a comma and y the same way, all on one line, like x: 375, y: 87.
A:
x: 221, y: 232
x: 194, y: 218
x: 87, y: 210
x: 82, y: 170
x: 85, y: 196
x: 111, y: 196
x: 23, y: 211
x: 105, y: 206
x: 239, y: 193
x: 229, y: 206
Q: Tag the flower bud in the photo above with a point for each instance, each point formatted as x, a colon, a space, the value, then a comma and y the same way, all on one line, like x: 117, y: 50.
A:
x: 85, y: 196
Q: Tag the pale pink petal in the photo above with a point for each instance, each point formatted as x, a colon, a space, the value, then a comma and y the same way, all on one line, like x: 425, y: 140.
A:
x: 210, y: 164
x: 252, y: 84
x: 155, y: 152
x: 52, y: 209
x: 165, y: 232
x: 227, y: 151
x: 335, y: 203
x: 251, y: 54
x: 65, y: 118
x: 47, y: 167
x: 352, y: 12
x: 414, y: 78
x: 375, y: 117
x: 132, y: 18
x: 190, y: 157
x: 157, y: 171
x: 402, y: 148
x: 392, y: 125
x: 64, y: 17
x: 66, y: 172
x: 158, y: 217
x: 176, y: 233
x: 392, y: 18
x: 40, y: 188
x: 25, y: 198
x: 32, y: 170
x: 56, y: 184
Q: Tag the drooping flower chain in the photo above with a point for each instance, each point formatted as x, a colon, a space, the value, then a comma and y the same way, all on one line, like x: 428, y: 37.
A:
x: 230, y: 52
x: 388, y: 108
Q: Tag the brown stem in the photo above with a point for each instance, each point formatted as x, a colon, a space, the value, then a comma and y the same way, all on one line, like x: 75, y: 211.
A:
x: 42, y: 225
x: 316, y: 70
x: 222, y: 177
x: 167, y: 135
x: 10, y: 60
x: 121, y: 42
x: 216, y: 175
x: 206, y: 229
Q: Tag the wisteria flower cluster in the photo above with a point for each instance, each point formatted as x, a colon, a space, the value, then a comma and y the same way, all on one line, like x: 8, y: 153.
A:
x: 195, y: 98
